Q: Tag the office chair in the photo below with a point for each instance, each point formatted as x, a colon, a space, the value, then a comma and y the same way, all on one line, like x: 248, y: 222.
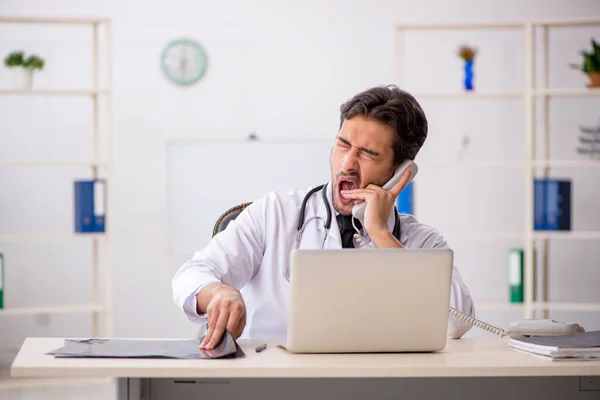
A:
x: 220, y: 225
x: 228, y: 216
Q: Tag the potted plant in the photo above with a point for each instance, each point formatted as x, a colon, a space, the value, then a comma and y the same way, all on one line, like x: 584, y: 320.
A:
x: 23, y: 68
x: 591, y: 65
x: 467, y: 53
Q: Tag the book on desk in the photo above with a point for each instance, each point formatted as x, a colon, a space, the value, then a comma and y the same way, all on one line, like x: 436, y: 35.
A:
x: 575, y: 347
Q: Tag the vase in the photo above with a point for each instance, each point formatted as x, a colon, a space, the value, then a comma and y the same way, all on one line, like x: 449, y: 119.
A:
x: 22, y: 78
x: 468, y: 75
x: 594, y: 80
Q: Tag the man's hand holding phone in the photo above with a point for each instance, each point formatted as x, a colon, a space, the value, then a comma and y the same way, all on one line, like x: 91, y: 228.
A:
x: 379, y: 204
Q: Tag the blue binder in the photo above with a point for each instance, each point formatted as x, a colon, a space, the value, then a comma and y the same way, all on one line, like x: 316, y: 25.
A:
x: 558, y: 205
x: 90, y: 206
x: 404, y: 202
x: 539, y: 204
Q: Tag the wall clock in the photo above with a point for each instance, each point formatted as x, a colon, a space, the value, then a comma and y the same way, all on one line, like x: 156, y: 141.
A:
x: 183, y: 61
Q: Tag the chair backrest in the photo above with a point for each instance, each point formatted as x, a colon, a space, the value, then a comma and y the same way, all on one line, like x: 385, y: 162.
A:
x: 228, y: 216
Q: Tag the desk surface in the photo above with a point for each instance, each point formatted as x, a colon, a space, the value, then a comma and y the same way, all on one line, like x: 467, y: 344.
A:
x: 460, y: 358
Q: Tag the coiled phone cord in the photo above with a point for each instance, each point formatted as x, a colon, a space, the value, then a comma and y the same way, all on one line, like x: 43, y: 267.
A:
x: 362, y: 243
x: 475, y: 322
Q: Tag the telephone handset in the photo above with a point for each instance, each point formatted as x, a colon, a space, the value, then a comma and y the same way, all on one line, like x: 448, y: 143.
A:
x: 358, y: 211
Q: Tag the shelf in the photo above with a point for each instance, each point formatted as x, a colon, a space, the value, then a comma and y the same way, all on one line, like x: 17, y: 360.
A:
x: 24, y: 237
x: 496, y: 305
x: 67, y: 21
x: 536, y: 134
x: 51, y: 164
x: 75, y: 309
x: 482, y: 236
x: 567, y: 306
x: 55, y: 92
x: 569, y: 22
x: 538, y: 305
x: 472, y: 164
x: 566, y: 234
x: 567, y: 164
x: 492, y: 25
x: 469, y: 95
x: 465, y: 25
x: 583, y: 92
x: 98, y: 90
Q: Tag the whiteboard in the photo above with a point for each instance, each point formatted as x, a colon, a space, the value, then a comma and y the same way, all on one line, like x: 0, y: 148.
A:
x: 205, y: 178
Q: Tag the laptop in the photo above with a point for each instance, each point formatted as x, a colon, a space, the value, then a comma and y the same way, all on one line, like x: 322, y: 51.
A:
x: 369, y: 300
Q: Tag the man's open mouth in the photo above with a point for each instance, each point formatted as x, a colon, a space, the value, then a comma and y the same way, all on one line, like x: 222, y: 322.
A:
x: 346, y: 183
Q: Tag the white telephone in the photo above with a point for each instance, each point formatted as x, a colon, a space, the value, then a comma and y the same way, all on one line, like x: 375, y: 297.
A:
x: 358, y: 211
x: 523, y: 327
x: 526, y: 327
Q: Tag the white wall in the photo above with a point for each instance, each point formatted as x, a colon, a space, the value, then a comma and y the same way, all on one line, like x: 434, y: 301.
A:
x: 281, y: 69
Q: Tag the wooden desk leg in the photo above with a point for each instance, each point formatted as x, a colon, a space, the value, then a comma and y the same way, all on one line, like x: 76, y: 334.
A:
x: 129, y: 389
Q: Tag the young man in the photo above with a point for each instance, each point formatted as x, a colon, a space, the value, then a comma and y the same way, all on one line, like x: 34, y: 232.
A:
x: 379, y: 129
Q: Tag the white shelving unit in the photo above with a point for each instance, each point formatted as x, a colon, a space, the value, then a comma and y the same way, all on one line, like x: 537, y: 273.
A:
x: 530, y: 94
x: 96, y: 307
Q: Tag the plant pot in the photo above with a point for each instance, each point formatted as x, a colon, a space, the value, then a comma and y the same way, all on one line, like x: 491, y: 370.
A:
x: 594, y: 80
x: 22, y: 78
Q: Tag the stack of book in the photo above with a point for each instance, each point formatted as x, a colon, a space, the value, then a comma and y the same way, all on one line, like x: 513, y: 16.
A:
x: 576, y: 346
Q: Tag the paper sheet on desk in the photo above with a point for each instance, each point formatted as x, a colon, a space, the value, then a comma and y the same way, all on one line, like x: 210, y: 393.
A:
x: 147, y: 348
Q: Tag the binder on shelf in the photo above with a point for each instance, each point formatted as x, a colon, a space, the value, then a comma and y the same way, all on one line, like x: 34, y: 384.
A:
x: 1, y: 281
x: 539, y: 204
x: 558, y: 205
x: 515, y: 275
x: 90, y: 207
x: 404, y: 202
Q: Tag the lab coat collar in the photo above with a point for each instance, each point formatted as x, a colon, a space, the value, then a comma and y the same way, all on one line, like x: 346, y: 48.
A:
x: 334, y: 232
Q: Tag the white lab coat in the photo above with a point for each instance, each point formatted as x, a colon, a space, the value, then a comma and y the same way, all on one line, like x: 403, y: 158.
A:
x: 253, y: 255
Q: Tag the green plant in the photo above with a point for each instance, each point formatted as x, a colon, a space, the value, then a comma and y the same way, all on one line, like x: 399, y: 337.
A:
x: 34, y: 62
x: 591, y: 61
x: 14, y: 59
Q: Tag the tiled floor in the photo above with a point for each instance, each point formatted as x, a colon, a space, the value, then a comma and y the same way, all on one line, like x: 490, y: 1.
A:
x: 54, y: 389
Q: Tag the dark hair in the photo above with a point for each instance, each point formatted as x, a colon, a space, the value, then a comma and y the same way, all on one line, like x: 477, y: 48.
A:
x: 395, y: 108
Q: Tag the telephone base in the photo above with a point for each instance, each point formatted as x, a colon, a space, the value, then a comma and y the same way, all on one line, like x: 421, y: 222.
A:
x: 542, y: 327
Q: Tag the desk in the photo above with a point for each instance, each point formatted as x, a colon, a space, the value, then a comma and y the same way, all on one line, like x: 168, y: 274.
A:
x: 275, y: 373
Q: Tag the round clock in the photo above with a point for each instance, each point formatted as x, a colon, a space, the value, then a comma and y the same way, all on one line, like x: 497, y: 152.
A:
x: 184, y: 61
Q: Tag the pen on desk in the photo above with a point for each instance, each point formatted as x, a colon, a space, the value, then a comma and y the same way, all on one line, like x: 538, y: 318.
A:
x: 261, y: 347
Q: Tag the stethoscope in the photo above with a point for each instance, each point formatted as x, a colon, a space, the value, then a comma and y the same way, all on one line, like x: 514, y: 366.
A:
x: 302, y: 223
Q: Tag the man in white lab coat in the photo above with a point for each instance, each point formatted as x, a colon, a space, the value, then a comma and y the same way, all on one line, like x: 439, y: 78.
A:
x: 239, y: 282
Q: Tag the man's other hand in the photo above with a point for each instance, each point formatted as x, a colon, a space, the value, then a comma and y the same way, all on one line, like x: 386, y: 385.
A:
x: 226, y: 312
